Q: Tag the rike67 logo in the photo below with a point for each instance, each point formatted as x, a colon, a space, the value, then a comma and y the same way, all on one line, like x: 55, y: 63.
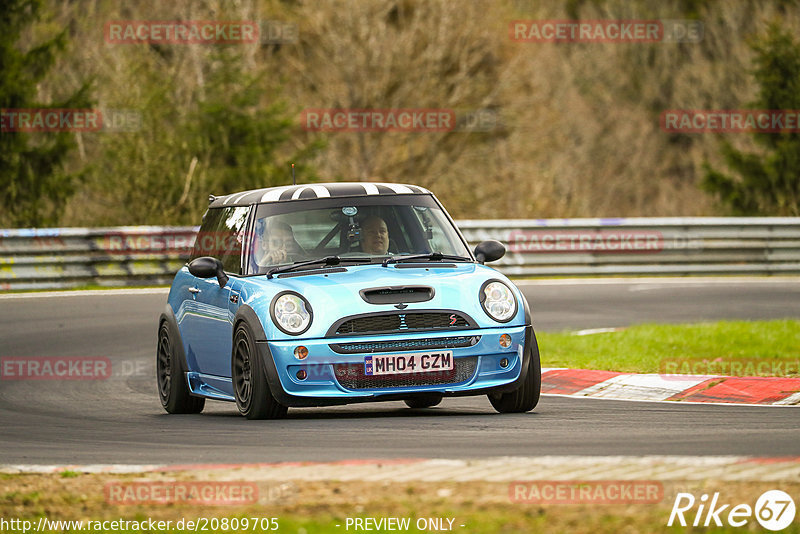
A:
x: 774, y: 510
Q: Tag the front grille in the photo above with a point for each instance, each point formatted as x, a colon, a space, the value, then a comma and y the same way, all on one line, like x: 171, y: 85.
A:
x: 395, y: 322
x: 405, y: 344
x: 351, y: 376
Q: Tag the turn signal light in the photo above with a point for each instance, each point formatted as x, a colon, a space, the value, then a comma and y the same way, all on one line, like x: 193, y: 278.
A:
x: 505, y: 341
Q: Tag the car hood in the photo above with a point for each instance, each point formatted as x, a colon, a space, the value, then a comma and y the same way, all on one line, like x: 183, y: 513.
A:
x: 335, y: 295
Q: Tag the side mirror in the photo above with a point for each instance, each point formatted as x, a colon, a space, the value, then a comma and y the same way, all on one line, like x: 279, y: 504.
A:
x: 207, y: 267
x: 489, y: 250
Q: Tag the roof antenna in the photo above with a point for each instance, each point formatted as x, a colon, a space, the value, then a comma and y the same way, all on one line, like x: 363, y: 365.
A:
x: 293, y: 180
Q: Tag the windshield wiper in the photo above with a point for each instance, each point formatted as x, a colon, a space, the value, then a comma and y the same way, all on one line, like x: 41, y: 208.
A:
x: 434, y: 256
x: 327, y: 260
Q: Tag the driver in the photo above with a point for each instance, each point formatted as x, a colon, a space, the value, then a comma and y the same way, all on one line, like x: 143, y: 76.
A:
x: 278, y: 245
x: 374, y: 236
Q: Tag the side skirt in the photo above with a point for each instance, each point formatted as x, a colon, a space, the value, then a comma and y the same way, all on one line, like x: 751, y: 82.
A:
x: 211, y: 387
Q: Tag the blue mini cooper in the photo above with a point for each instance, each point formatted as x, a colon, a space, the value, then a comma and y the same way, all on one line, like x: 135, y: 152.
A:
x: 325, y: 294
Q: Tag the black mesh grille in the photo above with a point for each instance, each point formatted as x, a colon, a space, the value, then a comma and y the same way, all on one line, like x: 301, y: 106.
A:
x: 371, y: 323
x: 402, y: 322
x: 425, y: 321
x: 405, y: 344
x: 351, y: 376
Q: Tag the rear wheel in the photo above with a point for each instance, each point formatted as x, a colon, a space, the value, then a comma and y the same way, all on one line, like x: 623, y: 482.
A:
x: 172, y: 387
x: 526, y: 397
x: 253, y: 397
x: 423, y: 401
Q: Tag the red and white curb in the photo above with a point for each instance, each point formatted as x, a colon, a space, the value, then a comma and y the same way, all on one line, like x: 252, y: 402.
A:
x: 503, y: 469
x: 766, y: 391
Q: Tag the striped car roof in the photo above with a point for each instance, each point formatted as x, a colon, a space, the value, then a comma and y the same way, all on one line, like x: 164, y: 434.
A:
x: 312, y: 191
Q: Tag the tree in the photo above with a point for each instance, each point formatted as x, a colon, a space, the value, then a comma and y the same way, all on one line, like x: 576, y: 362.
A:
x: 224, y: 130
x: 240, y: 129
x: 767, y: 183
x: 33, y: 185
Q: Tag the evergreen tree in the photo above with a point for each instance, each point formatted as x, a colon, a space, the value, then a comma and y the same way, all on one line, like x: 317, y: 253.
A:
x: 768, y: 183
x: 33, y: 185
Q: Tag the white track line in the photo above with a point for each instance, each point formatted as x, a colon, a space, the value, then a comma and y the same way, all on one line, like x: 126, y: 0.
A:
x: 665, y: 468
x: 646, y: 282
x: 87, y: 293
x: 673, y: 402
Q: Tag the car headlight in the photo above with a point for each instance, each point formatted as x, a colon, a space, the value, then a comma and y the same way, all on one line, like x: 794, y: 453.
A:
x: 291, y: 313
x: 498, y: 301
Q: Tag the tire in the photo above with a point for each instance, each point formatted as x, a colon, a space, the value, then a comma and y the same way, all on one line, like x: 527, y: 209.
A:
x: 426, y: 401
x: 253, y: 397
x: 173, y: 391
x: 526, y: 397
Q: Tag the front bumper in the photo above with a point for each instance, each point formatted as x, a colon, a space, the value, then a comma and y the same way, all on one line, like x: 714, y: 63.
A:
x: 333, y: 376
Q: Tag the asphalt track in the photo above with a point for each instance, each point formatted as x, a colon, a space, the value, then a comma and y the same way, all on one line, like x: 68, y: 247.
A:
x: 120, y: 421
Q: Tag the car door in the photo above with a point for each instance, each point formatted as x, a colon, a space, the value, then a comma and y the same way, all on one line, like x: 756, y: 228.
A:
x: 207, y: 322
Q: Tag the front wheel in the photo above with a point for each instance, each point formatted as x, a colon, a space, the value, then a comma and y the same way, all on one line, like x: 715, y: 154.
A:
x: 526, y: 397
x: 173, y: 391
x: 253, y: 397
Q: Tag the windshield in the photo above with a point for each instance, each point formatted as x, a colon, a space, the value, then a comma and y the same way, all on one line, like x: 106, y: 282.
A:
x: 356, y: 228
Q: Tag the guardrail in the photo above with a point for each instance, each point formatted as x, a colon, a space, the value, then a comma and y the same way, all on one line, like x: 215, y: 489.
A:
x: 147, y: 255
x: 643, y: 246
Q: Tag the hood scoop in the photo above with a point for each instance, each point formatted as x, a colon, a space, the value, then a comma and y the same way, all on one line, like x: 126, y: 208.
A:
x: 397, y: 294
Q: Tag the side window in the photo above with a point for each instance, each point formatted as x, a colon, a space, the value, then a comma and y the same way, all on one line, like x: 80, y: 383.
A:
x: 221, y: 235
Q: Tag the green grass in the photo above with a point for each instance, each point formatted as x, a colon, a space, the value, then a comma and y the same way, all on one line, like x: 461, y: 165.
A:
x: 318, y: 507
x: 487, y: 520
x: 646, y: 348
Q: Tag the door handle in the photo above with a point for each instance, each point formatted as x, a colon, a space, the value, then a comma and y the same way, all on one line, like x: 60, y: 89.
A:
x: 194, y: 290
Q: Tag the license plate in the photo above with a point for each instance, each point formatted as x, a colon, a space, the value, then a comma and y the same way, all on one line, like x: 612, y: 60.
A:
x: 419, y: 362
